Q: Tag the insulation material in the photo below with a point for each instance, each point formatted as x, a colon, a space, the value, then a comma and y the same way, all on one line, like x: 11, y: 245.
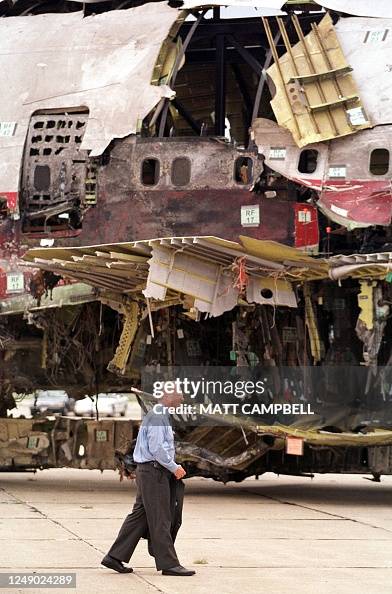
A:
x: 103, y: 62
x: 316, y: 97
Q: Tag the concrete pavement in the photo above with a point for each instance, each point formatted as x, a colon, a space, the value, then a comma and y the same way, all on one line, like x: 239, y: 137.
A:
x: 279, y: 534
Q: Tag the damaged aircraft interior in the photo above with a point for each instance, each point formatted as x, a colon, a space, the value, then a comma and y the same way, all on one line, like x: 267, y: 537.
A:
x: 207, y: 185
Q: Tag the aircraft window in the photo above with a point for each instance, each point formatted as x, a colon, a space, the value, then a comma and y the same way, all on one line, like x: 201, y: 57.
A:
x: 150, y: 172
x: 243, y: 170
x: 266, y: 293
x: 379, y: 161
x: 308, y: 161
x: 181, y: 171
x: 3, y: 207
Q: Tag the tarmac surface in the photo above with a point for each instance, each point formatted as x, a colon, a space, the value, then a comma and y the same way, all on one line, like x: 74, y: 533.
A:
x: 283, y: 535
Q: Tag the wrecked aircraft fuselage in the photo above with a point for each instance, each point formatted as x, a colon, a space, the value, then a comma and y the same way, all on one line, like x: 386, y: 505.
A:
x: 216, y: 136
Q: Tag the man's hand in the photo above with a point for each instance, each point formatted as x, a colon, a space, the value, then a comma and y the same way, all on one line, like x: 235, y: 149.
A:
x: 180, y: 473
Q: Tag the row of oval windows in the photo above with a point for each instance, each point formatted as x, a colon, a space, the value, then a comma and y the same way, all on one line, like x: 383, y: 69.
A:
x: 181, y: 171
x: 243, y: 167
x: 378, y: 164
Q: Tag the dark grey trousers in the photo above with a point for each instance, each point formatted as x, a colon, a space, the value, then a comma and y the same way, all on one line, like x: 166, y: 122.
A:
x: 156, y: 515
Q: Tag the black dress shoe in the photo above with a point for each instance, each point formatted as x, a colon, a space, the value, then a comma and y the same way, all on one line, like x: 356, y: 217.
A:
x: 178, y: 570
x: 115, y: 564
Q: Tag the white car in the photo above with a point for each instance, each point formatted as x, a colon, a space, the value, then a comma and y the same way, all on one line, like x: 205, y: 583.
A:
x: 51, y: 401
x: 109, y: 405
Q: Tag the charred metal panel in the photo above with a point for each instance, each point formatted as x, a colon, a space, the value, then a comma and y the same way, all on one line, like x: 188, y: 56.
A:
x: 211, y: 162
x: 210, y: 203
x: 54, y: 173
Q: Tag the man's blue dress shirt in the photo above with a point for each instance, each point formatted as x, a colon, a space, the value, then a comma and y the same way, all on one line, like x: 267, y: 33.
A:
x: 155, y: 441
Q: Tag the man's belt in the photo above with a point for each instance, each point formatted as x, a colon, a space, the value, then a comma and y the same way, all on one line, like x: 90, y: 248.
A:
x: 153, y: 463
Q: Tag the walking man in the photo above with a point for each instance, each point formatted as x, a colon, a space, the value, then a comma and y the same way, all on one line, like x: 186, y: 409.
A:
x: 156, y: 513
